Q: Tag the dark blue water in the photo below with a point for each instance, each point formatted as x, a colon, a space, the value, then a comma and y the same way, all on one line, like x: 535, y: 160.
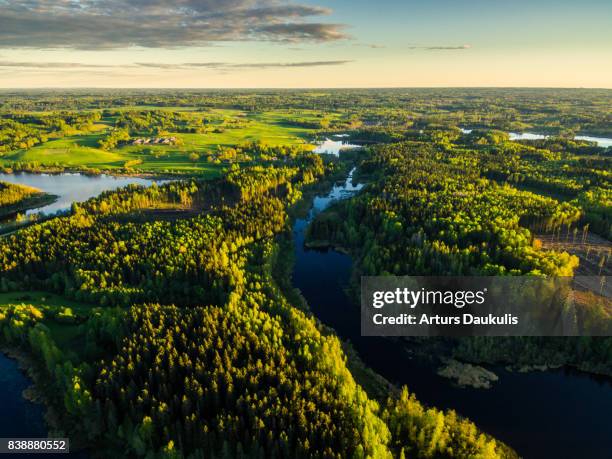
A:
x: 555, y: 414
x: 20, y: 418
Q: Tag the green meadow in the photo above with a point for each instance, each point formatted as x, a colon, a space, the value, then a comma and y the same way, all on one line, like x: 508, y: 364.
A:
x: 61, y: 316
x: 227, y: 128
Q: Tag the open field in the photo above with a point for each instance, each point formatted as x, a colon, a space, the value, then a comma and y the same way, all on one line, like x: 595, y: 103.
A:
x: 73, y: 150
x: 592, y: 250
x: 42, y: 299
x: 62, y: 316
x: 225, y: 128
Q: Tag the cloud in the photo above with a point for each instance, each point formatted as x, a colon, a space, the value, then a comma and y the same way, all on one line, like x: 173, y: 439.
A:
x: 249, y: 65
x: 297, y: 32
x: 439, y: 48
x: 436, y: 48
x: 267, y: 65
x: 108, y: 24
x: 164, y: 66
x: 169, y: 66
x: 50, y: 65
x: 370, y: 45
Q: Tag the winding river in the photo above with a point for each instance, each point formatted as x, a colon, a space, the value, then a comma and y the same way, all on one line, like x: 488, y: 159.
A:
x: 553, y: 414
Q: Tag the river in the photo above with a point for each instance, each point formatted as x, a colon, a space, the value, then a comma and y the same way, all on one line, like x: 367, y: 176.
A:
x: 20, y: 418
x: 553, y: 414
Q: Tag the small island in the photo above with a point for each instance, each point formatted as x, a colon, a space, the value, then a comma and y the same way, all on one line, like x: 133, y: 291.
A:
x: 467, y: 375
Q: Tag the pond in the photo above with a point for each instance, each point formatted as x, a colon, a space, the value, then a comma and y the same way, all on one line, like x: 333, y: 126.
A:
x: 70, y: 187
x: 333, y: 147
x: 550, y: 414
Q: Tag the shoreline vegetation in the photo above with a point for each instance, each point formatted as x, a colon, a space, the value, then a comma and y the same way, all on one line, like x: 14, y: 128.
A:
x: 342, y: 226
x: 377, y: 386
x: 51, y: 170
x: 422, y: 350
x: 373, y: 383
x: 17, y: 199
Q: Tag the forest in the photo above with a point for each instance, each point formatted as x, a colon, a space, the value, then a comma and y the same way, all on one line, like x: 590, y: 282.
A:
x: 15, y: 199
x: 161, y: 321
x: 189, y: 348
x: 553, y: 111
x: 455, y: 206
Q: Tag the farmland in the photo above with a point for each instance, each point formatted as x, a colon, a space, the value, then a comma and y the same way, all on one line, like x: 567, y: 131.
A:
x: 221, y: 128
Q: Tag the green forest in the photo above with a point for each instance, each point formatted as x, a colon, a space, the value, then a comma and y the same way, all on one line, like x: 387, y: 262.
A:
x: 15, y: 199
x: 161, y: 321
x: 431, y: 210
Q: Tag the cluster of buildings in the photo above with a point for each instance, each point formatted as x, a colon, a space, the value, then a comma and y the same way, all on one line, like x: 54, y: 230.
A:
x: 155, y: 140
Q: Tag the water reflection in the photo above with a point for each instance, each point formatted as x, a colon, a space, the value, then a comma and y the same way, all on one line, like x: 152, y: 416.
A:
x: 603, y: 142
x: 333, y: 147
x: 547, y: 414
x: 71, y: 187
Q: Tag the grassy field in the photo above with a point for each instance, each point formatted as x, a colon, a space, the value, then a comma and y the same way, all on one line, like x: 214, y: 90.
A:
x: 43, y: 300
x: 272, y: 128
x: 72, y: 151
x: 62, y: 316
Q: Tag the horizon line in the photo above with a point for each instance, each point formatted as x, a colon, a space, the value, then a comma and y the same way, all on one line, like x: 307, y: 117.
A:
x: 212, y: 88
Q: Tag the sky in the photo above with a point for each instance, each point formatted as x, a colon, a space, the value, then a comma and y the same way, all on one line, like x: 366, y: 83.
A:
x: 303, y: 43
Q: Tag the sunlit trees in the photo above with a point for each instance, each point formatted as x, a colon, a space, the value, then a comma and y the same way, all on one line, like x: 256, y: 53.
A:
x: 426, y: 214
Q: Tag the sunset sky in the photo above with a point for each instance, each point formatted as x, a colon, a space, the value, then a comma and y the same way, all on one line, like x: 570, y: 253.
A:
x: 327, y: 43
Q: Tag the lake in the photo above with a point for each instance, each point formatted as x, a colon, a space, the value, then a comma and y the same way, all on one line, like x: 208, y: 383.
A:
x: 552, y: 414
x: 603, y: 142
x: 71, y: 187
x: 20, y: 418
